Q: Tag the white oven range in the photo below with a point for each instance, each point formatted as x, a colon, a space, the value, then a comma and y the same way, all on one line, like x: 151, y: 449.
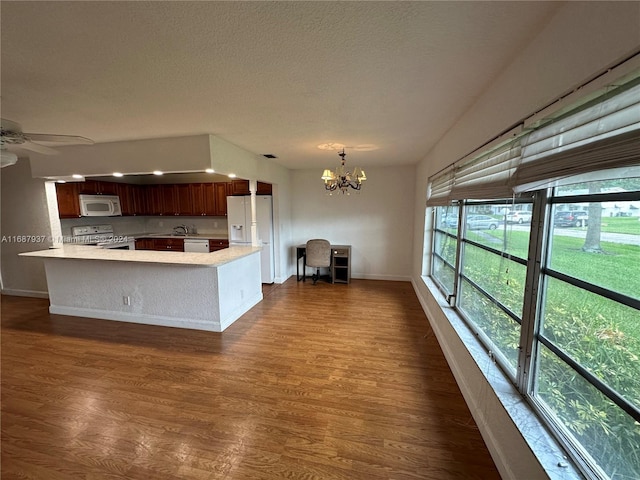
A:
x: 102, y: 236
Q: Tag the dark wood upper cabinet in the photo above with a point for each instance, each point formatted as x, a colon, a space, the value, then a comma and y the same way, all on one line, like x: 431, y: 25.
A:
x: 240, y: 187
x: 68, y: 202
x: 153, y: 197
x: 128, y: 200
x: 183, y: 198
x: 186, y: 199
x: 95, y: 187
x: 220, y: 195
x: 264, y: 189
x: 210, y: 200
x: 168, y: 200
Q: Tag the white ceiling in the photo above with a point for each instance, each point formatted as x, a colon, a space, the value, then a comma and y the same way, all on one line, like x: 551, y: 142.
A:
x: 271, y: 77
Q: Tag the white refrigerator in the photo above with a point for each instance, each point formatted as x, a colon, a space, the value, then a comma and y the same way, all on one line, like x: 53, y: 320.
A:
x: 239, y: 222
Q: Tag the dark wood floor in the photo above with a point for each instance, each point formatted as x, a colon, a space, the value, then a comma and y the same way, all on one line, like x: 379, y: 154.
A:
x: 316, y: 382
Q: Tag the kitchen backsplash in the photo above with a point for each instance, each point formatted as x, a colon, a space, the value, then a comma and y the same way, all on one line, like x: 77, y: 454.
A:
x: 143, y: 224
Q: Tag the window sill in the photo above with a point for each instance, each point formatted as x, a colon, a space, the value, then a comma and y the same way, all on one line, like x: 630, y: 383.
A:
x: 545, y: 448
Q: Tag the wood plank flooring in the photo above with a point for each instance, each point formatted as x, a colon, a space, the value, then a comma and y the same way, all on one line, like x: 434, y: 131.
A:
x: 316, y: 383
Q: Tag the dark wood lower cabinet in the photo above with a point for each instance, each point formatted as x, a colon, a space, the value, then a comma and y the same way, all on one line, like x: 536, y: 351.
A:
x: 215, y: 245
x: 175, y: 244
x: 160, y: 244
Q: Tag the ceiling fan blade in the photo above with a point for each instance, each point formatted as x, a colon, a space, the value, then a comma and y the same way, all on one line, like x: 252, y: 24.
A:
x: 45, y: 137
x: 34, y: 147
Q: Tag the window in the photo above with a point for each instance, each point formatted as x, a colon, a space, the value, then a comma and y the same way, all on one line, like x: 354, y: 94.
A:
x: 585, y: 351
x: 445, y: 246
x: 550, y: 280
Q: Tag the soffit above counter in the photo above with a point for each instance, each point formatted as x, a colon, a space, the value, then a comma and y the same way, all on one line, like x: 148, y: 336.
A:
x: 190, y: 154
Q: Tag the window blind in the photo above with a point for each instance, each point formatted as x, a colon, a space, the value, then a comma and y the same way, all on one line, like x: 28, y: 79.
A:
x: 602, y: 134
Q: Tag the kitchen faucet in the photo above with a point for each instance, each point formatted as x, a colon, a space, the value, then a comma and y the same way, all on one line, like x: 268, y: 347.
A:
x: 181, y: 227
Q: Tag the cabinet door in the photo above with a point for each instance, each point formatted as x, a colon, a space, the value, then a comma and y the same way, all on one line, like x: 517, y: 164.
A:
x: 68, y: 202
x: 107, y: 188
x: 144, y: 244
x: 89, y: 187
x: 168, y: 200
x: 240, y: 187
x: 140, y: 201
x: 204, y: 200
x: 183, y: 198
x: 168, y: 244
x: 96, y: 187
x: 210, y: 199
x: 153, y: 199
x: 220, y: 194
x: 197, y: 196
x: 127, y: 201
x: 264, y: 189
x: 215, y: 245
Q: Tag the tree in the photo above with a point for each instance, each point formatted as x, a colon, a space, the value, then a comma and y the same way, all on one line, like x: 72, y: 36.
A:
x: 594, y: 222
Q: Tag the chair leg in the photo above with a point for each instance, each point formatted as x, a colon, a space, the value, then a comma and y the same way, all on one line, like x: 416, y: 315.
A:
x: 316, y: 276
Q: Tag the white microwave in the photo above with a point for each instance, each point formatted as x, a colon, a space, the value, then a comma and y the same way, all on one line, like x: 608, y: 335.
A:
x: 100, y: 206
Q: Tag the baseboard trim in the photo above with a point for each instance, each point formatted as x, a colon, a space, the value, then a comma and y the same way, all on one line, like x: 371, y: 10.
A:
x: 391, y: 278
x: 139, y: 318
x: 241, y: 310
x: 25, y: 293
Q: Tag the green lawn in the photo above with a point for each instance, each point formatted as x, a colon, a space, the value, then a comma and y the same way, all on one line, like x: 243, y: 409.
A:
x: 617, y: 269
x: 629, y: 225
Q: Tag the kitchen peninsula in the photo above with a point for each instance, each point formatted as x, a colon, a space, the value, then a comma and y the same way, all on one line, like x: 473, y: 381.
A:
x: 202, y: 291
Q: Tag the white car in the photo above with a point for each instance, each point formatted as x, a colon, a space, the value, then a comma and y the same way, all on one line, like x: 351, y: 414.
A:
x: 518, y: 216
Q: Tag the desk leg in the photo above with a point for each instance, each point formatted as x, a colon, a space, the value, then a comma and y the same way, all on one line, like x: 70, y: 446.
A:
x: 301, y: 254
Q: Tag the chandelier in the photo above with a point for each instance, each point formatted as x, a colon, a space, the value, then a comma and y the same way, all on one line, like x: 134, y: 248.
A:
x: 342, y: 178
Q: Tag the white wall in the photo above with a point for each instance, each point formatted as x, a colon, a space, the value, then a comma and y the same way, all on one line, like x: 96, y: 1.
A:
x: 24, y: 213
x: 579, y: 42
x: 377, y: 222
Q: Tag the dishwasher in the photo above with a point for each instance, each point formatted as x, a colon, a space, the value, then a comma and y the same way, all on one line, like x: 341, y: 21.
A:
x: 196, y: 245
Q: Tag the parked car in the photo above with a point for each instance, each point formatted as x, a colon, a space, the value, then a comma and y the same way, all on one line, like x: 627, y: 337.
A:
x: 518, y: 216
x: 449, y: 220
x: 477, y: 222
x: 571, y: 219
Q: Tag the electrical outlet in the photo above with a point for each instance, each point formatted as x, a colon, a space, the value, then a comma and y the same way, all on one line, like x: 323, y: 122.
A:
x: 161, y: 224
x: 215, y: 224
x: 126, y: 300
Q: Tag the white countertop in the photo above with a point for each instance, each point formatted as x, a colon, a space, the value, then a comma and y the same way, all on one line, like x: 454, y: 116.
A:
x: 83, y: 252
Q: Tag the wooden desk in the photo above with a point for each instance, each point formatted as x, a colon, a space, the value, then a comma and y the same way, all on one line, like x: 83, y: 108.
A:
x: 340, y: 263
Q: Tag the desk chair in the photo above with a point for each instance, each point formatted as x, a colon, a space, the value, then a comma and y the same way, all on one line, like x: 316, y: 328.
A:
x: 318, y: 256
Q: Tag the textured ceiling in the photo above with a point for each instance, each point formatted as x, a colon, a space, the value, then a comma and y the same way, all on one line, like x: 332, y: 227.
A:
x: 271, y: 77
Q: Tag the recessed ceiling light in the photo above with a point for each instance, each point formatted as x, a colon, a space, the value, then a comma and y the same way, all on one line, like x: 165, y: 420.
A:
x: 209, y: 170
x: 232, y: 175
x: 118, y: 174
x: 75, y: 175
x: 331, y: 146
x: 61, y: 181
x: 158, y: 172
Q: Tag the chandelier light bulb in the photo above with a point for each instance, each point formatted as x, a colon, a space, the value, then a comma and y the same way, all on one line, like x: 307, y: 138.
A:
x: 343, y: 179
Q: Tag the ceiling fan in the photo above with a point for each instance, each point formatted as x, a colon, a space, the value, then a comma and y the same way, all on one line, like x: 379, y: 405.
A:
x: 11, y: 134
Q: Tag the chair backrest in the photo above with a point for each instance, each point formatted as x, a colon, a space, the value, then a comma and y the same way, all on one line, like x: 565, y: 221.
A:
x: 318, y: 253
